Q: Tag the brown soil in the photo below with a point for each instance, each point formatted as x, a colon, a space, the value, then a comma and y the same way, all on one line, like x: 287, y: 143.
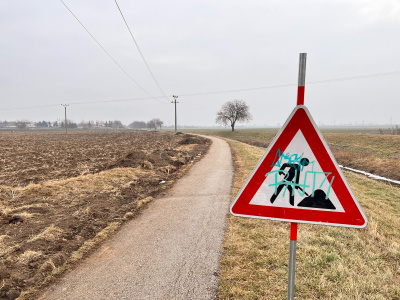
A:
x: 72, y: 190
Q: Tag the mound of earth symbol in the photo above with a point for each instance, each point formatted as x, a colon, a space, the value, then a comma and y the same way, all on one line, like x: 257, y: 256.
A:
x: 317, y: 201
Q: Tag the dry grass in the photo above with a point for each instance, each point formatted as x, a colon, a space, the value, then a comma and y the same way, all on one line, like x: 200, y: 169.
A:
x: 5, y: 211
x: 50, y: 234
x: 29, y: 256
x: 4, y: 248
x: 92, y: 243
x: 3, y: 237
x: 143, y: 202
x: 332, y: 262
x: 381, y: 146
x: 128, y: 216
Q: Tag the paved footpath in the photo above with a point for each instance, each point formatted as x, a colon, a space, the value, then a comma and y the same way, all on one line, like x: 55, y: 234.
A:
x: 170, y: 251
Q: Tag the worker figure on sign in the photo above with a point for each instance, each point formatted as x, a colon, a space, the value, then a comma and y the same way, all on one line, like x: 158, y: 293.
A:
x: 291, y: 179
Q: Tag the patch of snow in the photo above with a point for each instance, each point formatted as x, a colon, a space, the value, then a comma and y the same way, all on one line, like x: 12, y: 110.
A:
x: 370, y: 175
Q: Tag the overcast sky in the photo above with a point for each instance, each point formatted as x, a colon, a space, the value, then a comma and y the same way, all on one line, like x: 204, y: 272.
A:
x: 47, y: 58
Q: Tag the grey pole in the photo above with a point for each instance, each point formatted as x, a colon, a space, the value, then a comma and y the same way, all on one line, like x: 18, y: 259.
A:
x: 292, y: 269
x: 302, y: 79
x: 302, y: 69
x: 293, y: 226
x: 176, y: 124
x: 65, y: 122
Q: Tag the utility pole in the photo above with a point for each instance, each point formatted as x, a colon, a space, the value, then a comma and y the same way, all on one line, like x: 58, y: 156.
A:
x: 175, y: 111
x: 65, y: 122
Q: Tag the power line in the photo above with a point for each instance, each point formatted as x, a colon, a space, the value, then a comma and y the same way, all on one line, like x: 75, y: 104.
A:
x: 29, y: 107
x: 216, y: 92
x: 108, y: 54
x: 356, y: 77
x: 80, y: 103
x: 140, y: 51
x: 292, y: 84
x: 239, y: 90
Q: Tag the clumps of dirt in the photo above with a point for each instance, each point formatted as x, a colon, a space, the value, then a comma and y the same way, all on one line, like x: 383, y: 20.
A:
x: 192, y: 140
x: 159, y: 160
x: 147, y: 165
x: 132, y: 160
x: 64, y: 216
x: 35, y: 157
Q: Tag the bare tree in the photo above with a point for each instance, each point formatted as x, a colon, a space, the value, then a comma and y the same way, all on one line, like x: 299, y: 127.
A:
x: 137, y: 125
x: 232, y: 112
x: 154, y: 123
x: 22, y: 124
x: 159, y: 123
x: 117, y: 124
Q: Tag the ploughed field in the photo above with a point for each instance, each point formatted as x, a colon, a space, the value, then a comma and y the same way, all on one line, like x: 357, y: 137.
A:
x: 74, y: 190
x: 34, y: 157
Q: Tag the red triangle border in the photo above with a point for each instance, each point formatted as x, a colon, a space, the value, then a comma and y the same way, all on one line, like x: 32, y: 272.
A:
x: 300, y: 119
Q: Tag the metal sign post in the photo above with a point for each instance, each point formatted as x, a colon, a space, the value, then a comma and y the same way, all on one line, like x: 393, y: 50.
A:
x: 292, y: 259
x: 293, y: 226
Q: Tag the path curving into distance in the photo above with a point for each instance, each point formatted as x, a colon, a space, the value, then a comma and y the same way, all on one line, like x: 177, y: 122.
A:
x: 171, y: 250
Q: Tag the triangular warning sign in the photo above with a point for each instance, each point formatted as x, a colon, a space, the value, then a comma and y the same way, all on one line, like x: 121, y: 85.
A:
x: 298, y: 180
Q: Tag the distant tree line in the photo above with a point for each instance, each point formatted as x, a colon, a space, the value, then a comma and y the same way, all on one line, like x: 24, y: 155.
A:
x: 43, y: 124
x: 116, y: 124
x: 101, y: 124
x: 26, y: 124
x: 393, y: 130
x: 152, y: 124
x: 69, y: 125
